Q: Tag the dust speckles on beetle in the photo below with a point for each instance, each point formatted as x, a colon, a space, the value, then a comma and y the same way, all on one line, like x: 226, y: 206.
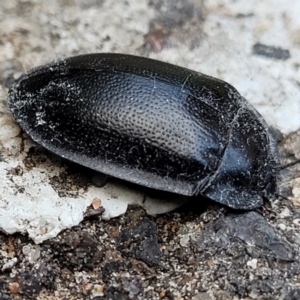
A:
x: 171, y: 128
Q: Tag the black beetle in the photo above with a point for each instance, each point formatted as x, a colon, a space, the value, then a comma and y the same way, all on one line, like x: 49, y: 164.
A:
x: 151, y: 123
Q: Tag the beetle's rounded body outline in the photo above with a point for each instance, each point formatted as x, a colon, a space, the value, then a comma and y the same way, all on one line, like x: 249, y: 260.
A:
x: 151, y: 123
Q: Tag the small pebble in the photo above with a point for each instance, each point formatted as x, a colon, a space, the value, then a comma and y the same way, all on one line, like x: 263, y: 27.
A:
x: 87, y: 288
x: 96, y: 203
x: 98, y: 290
x: 9, y: 264
x: 285, y: 213
x: 297, y: 239
x: 296, y: 222
x: 201, y: 296
x: 185, y: 240
x: 162, y: 294
x: 296, y: 194
x: 26, y: 250
x: 252, y: 263
x: 282, y: 226
x: 14, y: 288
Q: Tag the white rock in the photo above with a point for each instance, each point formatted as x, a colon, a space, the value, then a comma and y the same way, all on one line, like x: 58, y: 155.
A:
x: 296, y: 222
x: 252, y: 263
x: 9, y: 264
x: 285, y: 213
x: 282, y: 226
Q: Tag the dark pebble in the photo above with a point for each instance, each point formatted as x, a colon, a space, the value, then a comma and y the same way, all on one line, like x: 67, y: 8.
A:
x: 141, y: 242
x: 271, y: 52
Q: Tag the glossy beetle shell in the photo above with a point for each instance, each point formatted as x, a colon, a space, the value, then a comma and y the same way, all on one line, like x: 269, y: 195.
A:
x: 151, y: 123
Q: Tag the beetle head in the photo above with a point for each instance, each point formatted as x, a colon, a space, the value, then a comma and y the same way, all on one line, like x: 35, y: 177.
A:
x: 247, y: 171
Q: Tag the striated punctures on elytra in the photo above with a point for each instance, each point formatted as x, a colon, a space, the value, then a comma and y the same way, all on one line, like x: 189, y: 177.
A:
x: 150, y: 123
